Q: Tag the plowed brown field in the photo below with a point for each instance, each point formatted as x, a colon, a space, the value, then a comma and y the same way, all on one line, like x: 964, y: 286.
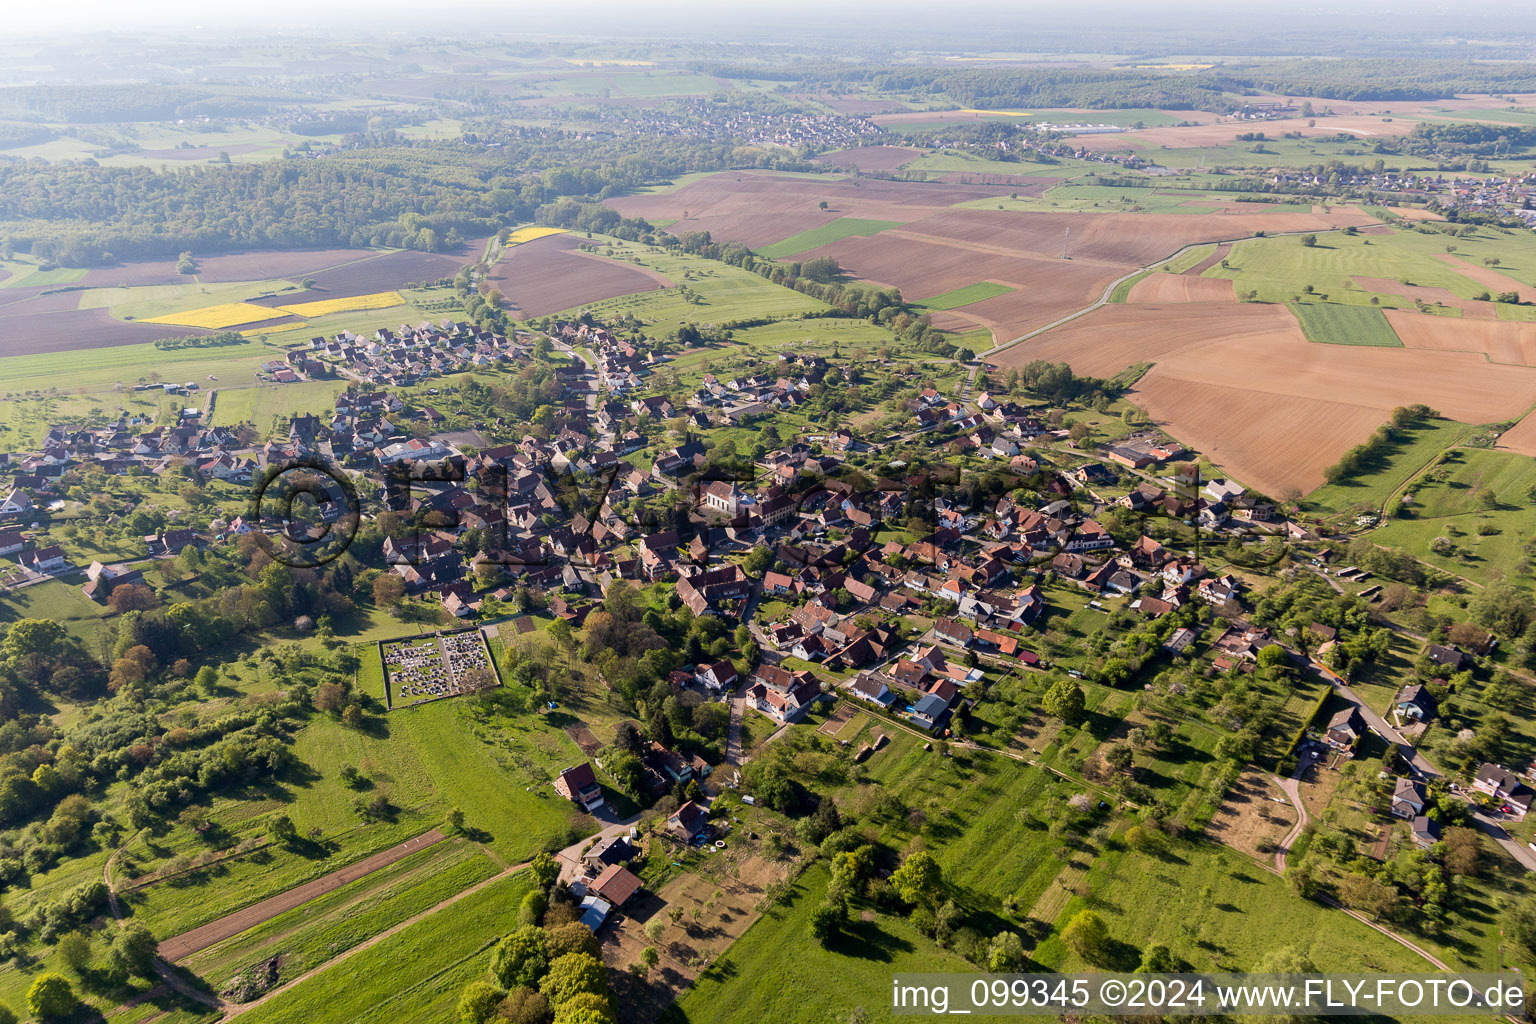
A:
x: 1503, y: 341
x: 1241, y: 383
x: 1521, y: 438
x: 1181, y: 288
x: 549, y: 274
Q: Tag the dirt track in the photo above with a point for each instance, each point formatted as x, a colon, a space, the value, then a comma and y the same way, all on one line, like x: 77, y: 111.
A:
x: 179, y: 947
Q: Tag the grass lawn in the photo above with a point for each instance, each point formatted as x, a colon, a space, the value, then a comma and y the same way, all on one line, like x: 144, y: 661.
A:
x: 832, y: 231
x: 416, y: 974
x: 1408, y: 457
x: 1330, y: 323
x: 1448, y: 502
x: 73, y: 373
x: 965, y: 296
x: 1218, y: 910
x: 262, y: 404
x: 1279, y: 269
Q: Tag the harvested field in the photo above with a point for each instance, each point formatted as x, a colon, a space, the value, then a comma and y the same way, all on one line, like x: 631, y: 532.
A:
x: 75, y: 329
x: 184, y: 945
x: 1502, y: 341
x: 1488, y: 277
x: 869, y: 158
x: 758, y: 208
x: 1181, y: 288
x: 1226, y: 132
x: 549, y: 274
x: 941, y: 249
x: 1301, y: 405
x: 352, y: 270
x: 1521, y: 438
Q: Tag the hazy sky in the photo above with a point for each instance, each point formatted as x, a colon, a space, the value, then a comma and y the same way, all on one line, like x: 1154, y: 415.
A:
x: 721, y: 17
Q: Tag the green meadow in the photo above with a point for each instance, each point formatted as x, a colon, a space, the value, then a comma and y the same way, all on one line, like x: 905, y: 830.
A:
x: 832, y: 231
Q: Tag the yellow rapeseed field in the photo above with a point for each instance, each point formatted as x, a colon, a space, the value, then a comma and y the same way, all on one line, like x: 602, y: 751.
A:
x: 378, y: 300
x: 528, y: 234
x: 227, y: 314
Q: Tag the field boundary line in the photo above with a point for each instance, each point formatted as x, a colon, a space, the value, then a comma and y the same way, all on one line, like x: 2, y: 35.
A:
x: 179, y: 947
x: 235, y: 1011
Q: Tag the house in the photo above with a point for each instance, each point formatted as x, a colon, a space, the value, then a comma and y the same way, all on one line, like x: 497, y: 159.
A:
x: 578, y: 784
x: 15, y: 502
x: 930, y: 712
x: 957, y: 633
x: 1447, y: 657
x: 607, y: 852
x: 1408, y: 799
x: 1344, y: 729
x: 1495, y: 780
x: 11, y: 541
x: 1180, y: 640
x: 719, y: 676
x: 871, y: 687
x: 1426, y: 832
x: 1414, y: 703
x: 616, y: 885
x: 688, y: 822
x: 45, y: 559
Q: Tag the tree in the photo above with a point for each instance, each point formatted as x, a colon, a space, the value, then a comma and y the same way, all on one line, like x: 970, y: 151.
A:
x: 1005, y: 954
x: 1310, y: 241
x: 1283, y: 960
x: 1272, y: 656
x: 585, y: 1008
x: 525, y: 1006
x: 134, y: 950
x: 455, y: 820
x: 282, y: 829
x: 520, y: 959
x: 1367, y: 895
x: 1065, y: 701
x: 330, y: 696
x: 477, y: 1003
x: 574, y: 937
x: 919, y: 880
x: 7, y: 1015
x: 74, y: 949
x: 207, y: 680
x: 51, y: 996
x: 573, y: 974
x: 1157, y: 959
x: 388, y: 590
x: 545, y: 869
x: 827, y: 921
x: 649, y: 956
x: 1086, y: 935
